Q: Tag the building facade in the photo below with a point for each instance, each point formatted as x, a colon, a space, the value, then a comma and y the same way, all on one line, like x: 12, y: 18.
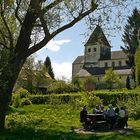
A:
x: 98, y: 57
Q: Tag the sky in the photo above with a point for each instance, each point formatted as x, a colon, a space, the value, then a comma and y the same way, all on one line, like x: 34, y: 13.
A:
x: 67, y: 46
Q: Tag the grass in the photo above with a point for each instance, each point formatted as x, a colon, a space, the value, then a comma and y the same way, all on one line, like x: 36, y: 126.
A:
x: 47, y: 122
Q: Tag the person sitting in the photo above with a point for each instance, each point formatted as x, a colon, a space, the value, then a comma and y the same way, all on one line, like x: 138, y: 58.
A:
x: 121, y: 117
x: 84, y: 119
x: 117, y: 110
x: 111, y: 116
x: 96, y: 110
x: 126, y: 116
x: 102, y: 109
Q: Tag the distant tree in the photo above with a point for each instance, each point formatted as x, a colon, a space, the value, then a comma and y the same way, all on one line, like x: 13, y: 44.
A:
x: 26, y: 76
x: 128, y: 83
x: 111, y: 77
x: 49, y: 67
x: 137, y: 62
x: 77, y: 82
x: 130, y: 39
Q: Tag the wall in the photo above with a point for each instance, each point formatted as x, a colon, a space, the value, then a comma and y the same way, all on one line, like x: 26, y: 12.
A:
x: 93, y: 55
x: 102, y: 63
x: 76, y: 68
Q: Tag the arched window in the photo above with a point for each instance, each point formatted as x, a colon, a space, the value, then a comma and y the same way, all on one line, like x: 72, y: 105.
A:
x: 113, y: 64
x: 120, y: 63
x: 106, y: 64
x: 94, y: 49
x: 89, y: 49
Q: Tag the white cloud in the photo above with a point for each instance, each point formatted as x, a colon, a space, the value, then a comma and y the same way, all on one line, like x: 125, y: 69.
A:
x: 54, y: 45
x: 62, y: 70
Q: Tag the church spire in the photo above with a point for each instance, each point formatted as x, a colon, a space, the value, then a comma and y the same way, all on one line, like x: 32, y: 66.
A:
x: 98, y: 36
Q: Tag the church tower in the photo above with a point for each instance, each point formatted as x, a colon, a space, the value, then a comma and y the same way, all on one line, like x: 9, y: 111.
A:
x: 97, y: 48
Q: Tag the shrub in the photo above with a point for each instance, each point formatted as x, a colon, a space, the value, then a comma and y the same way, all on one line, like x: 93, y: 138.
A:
x: 16, y: 100
x: 18, y: 96
x: 88, y: 99
x: 111, y: 97
x: 62, y: 87
x: 23, y: 93
x: 25, y: 101
x: 39, y: 99
x: 133, y: 105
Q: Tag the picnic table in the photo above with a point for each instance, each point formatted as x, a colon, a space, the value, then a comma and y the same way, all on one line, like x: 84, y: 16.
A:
x: 96, y: 117
x: 98, y: 120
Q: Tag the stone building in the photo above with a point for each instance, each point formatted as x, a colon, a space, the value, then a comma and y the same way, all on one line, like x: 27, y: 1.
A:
x: 98, y: 57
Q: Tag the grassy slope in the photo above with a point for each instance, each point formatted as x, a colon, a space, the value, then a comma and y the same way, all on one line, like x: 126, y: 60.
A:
x: 45, y: 122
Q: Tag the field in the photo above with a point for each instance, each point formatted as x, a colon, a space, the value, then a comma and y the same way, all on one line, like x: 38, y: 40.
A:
x: 57, y: 122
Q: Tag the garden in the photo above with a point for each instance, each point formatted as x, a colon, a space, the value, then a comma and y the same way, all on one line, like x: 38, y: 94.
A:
x: 56, y: 116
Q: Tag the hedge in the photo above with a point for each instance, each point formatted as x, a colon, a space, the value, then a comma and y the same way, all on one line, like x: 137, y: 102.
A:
x: 112, y: 98
x: 45, y: 99
x: 107, y: 96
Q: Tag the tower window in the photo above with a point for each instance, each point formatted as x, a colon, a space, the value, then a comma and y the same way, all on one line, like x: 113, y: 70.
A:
x: 113, y: 64
x: 89, y: 49
x: 120, y: 63
x: 94, y: 49
x: 106, y: 64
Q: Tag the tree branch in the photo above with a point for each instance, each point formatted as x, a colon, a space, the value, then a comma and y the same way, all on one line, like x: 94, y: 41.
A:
x: 41, y: 44
x: 7, y: 27
x: 44, y: 25
x: 3, y: 37
x: 38, y: 46
x: 16, y: 11
x: 4, y: 45
x: 81, y: 16
x: 53, y: 4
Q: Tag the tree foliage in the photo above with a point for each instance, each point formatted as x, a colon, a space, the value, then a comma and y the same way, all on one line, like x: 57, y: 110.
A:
x: 128, y: 83
x: 111, y: 77
x: 49, y: 67
x: 137, y: 62
x: 33, y: 75
x: 130, y: 38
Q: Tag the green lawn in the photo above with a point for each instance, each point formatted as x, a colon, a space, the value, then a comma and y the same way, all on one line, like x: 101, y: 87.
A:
x: 46, y: 122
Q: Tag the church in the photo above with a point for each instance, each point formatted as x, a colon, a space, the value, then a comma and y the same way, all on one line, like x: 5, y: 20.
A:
x: 98, y: 57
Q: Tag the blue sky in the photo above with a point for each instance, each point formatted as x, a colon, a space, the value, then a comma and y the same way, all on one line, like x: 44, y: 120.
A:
x: 66, y: 46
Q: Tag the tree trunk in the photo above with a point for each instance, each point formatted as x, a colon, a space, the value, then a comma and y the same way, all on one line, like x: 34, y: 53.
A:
x: 16, y: 59
x: 8, y: 79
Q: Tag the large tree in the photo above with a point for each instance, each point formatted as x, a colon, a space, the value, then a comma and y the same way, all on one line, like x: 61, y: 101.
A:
x: 130, y: 39
x: 26, y: 26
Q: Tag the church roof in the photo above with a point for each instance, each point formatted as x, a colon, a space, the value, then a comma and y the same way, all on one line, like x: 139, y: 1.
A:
x: 101, y: 70
x: 118, y: 55
x: 79, y: 59
x: 114, y: 55
x: 98, y: 35
x: 83, y: 73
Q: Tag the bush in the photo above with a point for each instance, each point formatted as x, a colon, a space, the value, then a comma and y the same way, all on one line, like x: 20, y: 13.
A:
x: 133, y: 105
x: 18, y: 96
x: 25, y: 101
x: 62, y: 87
x: 111, y: 97
x: 88, y: 99
x: 23, y: 93
x: 16, y: 100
